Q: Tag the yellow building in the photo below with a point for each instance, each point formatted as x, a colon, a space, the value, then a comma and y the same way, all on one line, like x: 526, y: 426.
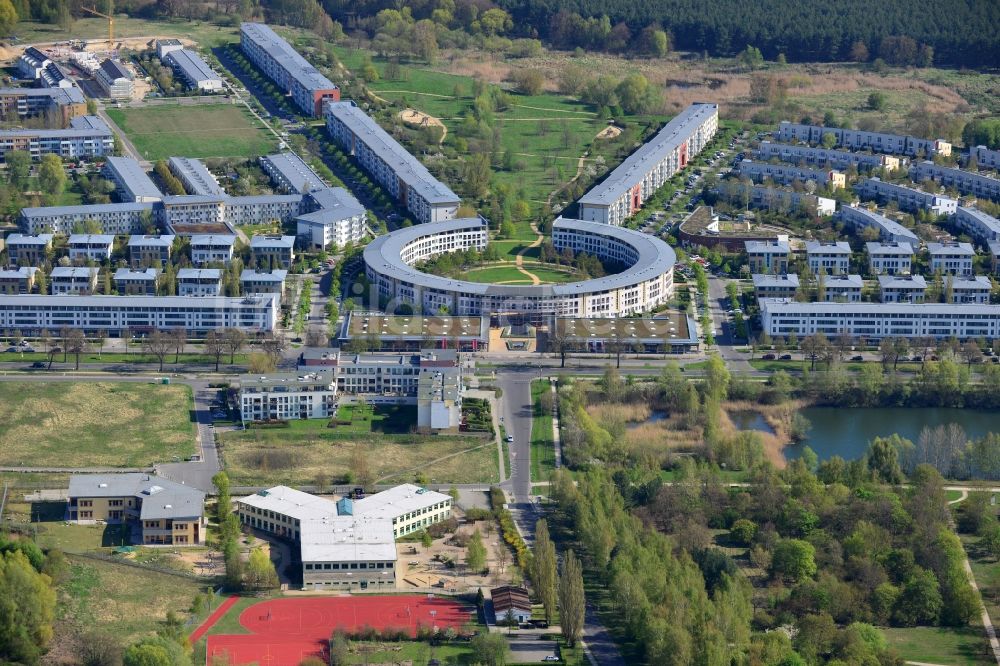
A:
x: 161, y: 512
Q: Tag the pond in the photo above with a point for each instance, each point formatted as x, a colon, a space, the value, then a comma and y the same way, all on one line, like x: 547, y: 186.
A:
x: 846, y: 432
x: 654, y: 416
x: 747, y: 419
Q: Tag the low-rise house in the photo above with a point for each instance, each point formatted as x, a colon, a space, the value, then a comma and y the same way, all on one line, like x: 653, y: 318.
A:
x: 834, y: 258
x: 137, y: 282
x: 889, y: 258
x: 199, y: 282
x: 94, y: 247
x: 842, y: 289
x: 902, y: 288
x: 263, y: 282
x: 17, y: 280
x: 160, y: 511
x: 212, y: 249
x: 194, y: 71
x: 149, y: 250
x: 511, y: 603
x: 73, y: 280
x: 951, y: 258
x: 28, y: 250
x: 785, y: 285
x: 768, y: 256
x: 273, y: 251
x: 969, y: 289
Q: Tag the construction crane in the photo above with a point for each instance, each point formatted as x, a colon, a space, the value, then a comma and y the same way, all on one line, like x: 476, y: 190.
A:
x: 111, y: 25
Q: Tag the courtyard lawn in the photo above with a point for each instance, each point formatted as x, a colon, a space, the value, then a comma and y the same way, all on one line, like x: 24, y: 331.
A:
x: 212, y: 130
x: 496, y: 273
x: 308, y: 452
x: 543, y: 454
x: 91, y: 424
x: 966, y: 646
x: 552, y: 274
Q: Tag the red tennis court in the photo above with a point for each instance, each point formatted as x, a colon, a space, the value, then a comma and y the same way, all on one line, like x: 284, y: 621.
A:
x: 285, y: 631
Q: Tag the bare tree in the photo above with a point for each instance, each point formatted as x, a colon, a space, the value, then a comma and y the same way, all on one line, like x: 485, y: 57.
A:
x: 887, y: 349
x: 843, y: 344
x: 178, y: 338
x: 215, y: 346
x: 46, y: 339
x: 360, y: 467
x: 234, y: 340
x: 972, y: 353
x: 75, y: 343
x: 64, y: 332
x: 99, y: 338
x: 274, y: 346
x: 158, y: 344
x: 126, y: 337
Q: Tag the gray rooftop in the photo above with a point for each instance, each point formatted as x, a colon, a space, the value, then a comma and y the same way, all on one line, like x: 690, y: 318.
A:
x: 987, y: 221
x: 876, y: 309
x: 655, y: 258
x: 161, y: 498
x: 25, y: 239
x: 86, y: 209
x: 59, y: 96
x: 81, y: 127
x: 192, y: 65
x: 407, y: 167
x: 760, y: 280
x: 115, y: 69
x: 253, y: 199
x: 898, y: 249
x: 22, y: 273
x: 129, y: 274
x: 822, y: 247
x: 977, y: 282
x: 335, y: 204
x: 172, y: 303
x: 276, y: 242
x: 135, y: 178
x: 199, y: 274
x: 294, y: 171
x: 902, y: 282
x: 249, y: 274
x: 197, y: 177
x: 74, y: 272
x: 91, y: 239
x: 212, y: 240
x: 768, y: 247
x: 843, y: 281
x: 888, y: 226
x: 138, y: 240
x: 964, y: 249
x: 651, y: 153
x: 293, y: 63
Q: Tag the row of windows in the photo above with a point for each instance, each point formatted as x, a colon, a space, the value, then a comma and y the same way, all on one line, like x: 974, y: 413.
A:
x: 343, y: 566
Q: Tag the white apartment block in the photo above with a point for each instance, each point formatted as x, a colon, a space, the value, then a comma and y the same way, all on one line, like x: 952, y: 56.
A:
x: 116, y: 218
x: 28, y: 249
x: 785, y: 285
x: 889, y: 258
x: 889, y: 231
x: 263, y: 282
x: 623, y: 191
x: 87, y: 136
x: 209, y: 249
x: 840, y: 160
x: 273, y: 251
x: 195, y: 176
x: 32, y: 314
x: 132, y: 183
x: 115, y: 79
x: 257, y: 209
x: 73, y: 280
x: 773, y: 198
x: 130, y: 282
x: 149, y: 250
x: 199, y: 282
x: 841, y: 288
x: 290, y: 173
x: 95, y: 247
x: 288, y: 396
x: 399, y: 172
x: 878, y: 142
x: 966, y: 182
x: 951, y: 258
x: 165, y: 46
x: 985, y: 158
x: 969, y: 289
x: 336, y: 219
x: 902, y: 288
x: 784, y: 174
x: 982, y: 227
x: 833, y: 258
x: 908, y: 198
x: 768, y: 256
x: 874, y: 321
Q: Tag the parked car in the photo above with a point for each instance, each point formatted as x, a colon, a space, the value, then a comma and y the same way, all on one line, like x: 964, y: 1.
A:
x: 786, y: 357
x: 11, y: 349
x: 857, y: 357
x: 768, y: 357
x: 37, y: 364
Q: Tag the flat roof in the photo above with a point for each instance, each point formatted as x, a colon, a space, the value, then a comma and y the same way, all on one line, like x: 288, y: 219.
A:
x: 415, y: 326
x: 129, y: 274
x: 87, y: 209
x: 964, y: 249
x: 384, y: 254
x: 294, y: 171
x: 902, y: 282
x: 91, y: 239
x: 941, y: 309
x: 318, y: 377
x: 901, y: 249
x: 134, y: 177
x: 293, y: 63
x: 406, y: 167
x: 761, y: 280
x: 199, y: 274
x: 639, y: 163
x: 668, y: 327
x: 196, y: 176
x: 825, y: 247
x: 278, y: 242
x: 347, y: 539
x: 192, y: 66
x: 397, y: 501
x: 277, y: 275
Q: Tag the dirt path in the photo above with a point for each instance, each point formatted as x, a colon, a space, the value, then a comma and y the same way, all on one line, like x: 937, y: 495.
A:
x: 519, y: 258
x: 579, y: 170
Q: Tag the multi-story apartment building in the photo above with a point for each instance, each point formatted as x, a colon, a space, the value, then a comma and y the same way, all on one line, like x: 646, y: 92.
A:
x: 832, y: 258
x: 195, y: 176
x: 773, y: 198
x: 273, y: 251
x: 166, y: 46
x: 28, y: 250
x: 194, y: 71
x: 902, y: 288
x: 199, y: 282
x: 908, y: 198
x: 994, y: 250
x: 116, y: 218
x: 889, y: 258
x: 785, y: 285
x: 95, y: 247
x: 113, y: 314
x: 874, y: 321
x: 969, y: 289
x: 289, y: 70
x: 160, y: 511
x: 784, y: 174
x: 878, y: 142
x: 212, y: 249
x: 17, y: 280
x: 840, y: 288
x: 87, y: 136
x: 31, y: 63
x: 149, y: 250
x: 73, y: 280
x: 985, y: 157
x: 399, y: 172
x: 115, y: 79
x: 258, y: 209
x: 951, y: 258
x: 288, y: 396
x: 130, y: 282
x: 263, y: 282
x: 768, y: 257
x: 982, y: 227
x: 840, y: 160
x: 132, y: 183
x: 889, y: 231
x: 290, y: 173
x: 334, y: 218
x: 63, y: 103
x: 966, y: 182
x: 623, y: 191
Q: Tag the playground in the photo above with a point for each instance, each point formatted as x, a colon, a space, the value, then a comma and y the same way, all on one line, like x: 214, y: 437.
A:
x: 283, y: 632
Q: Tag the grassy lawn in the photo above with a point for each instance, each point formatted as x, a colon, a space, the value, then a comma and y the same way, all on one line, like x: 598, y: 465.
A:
x: 552, y: 274
x: 986, y: 570
x: 543, y: 455
x: 206, y: 34
x: 502, y: 273
x: 361, y: 419
x: 940, y: 645
x: 117, y: 357
x: 952, y: 495
x: 126, y: 602
x: 309, y: 450
x: 215, y: 130
x: 85, y: 424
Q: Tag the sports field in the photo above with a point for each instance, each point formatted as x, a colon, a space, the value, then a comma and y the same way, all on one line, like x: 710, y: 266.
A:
x: 283, y: 632
x: 204, y: 130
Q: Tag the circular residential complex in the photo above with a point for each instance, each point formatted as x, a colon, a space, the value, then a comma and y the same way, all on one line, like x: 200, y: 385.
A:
x: 646, y: 283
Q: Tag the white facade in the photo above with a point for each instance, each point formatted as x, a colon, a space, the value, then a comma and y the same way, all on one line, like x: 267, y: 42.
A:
x: 951, y: 258
x: 902, y: 288
x: 908, y: 198
x: 841, y: 289
x: 836, y: 159
x: 87, y: 136
x: 208, y: 249
x: 768, y: 256
x: 118, y: 219
x: 783, y: 174
x: 287, y: 68
x: 878, y: 142
x: 969, y: 289
x: 775, y: 286
x: 833, y: 258
x: 288, y: 396
x: 73, y: 280
x: 90, y: 246
x: 115, y: 79
x: 966, y: 182
x: 889, y: 258
x: 888, y: 230
x: 982, y: 227
x: 149, y: 250
x: 290, y: 173
x: 199, y: 282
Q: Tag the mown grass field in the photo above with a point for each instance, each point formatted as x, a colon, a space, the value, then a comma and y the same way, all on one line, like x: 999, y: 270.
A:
x: 966, y: 646
x: 543, y: 454
x: 88, y: 424
x: 206, y: 34
x: 214, y: 130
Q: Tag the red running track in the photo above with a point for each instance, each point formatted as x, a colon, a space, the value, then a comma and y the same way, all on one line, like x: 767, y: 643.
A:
x: 212, y: 619
x: 285, y: 631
